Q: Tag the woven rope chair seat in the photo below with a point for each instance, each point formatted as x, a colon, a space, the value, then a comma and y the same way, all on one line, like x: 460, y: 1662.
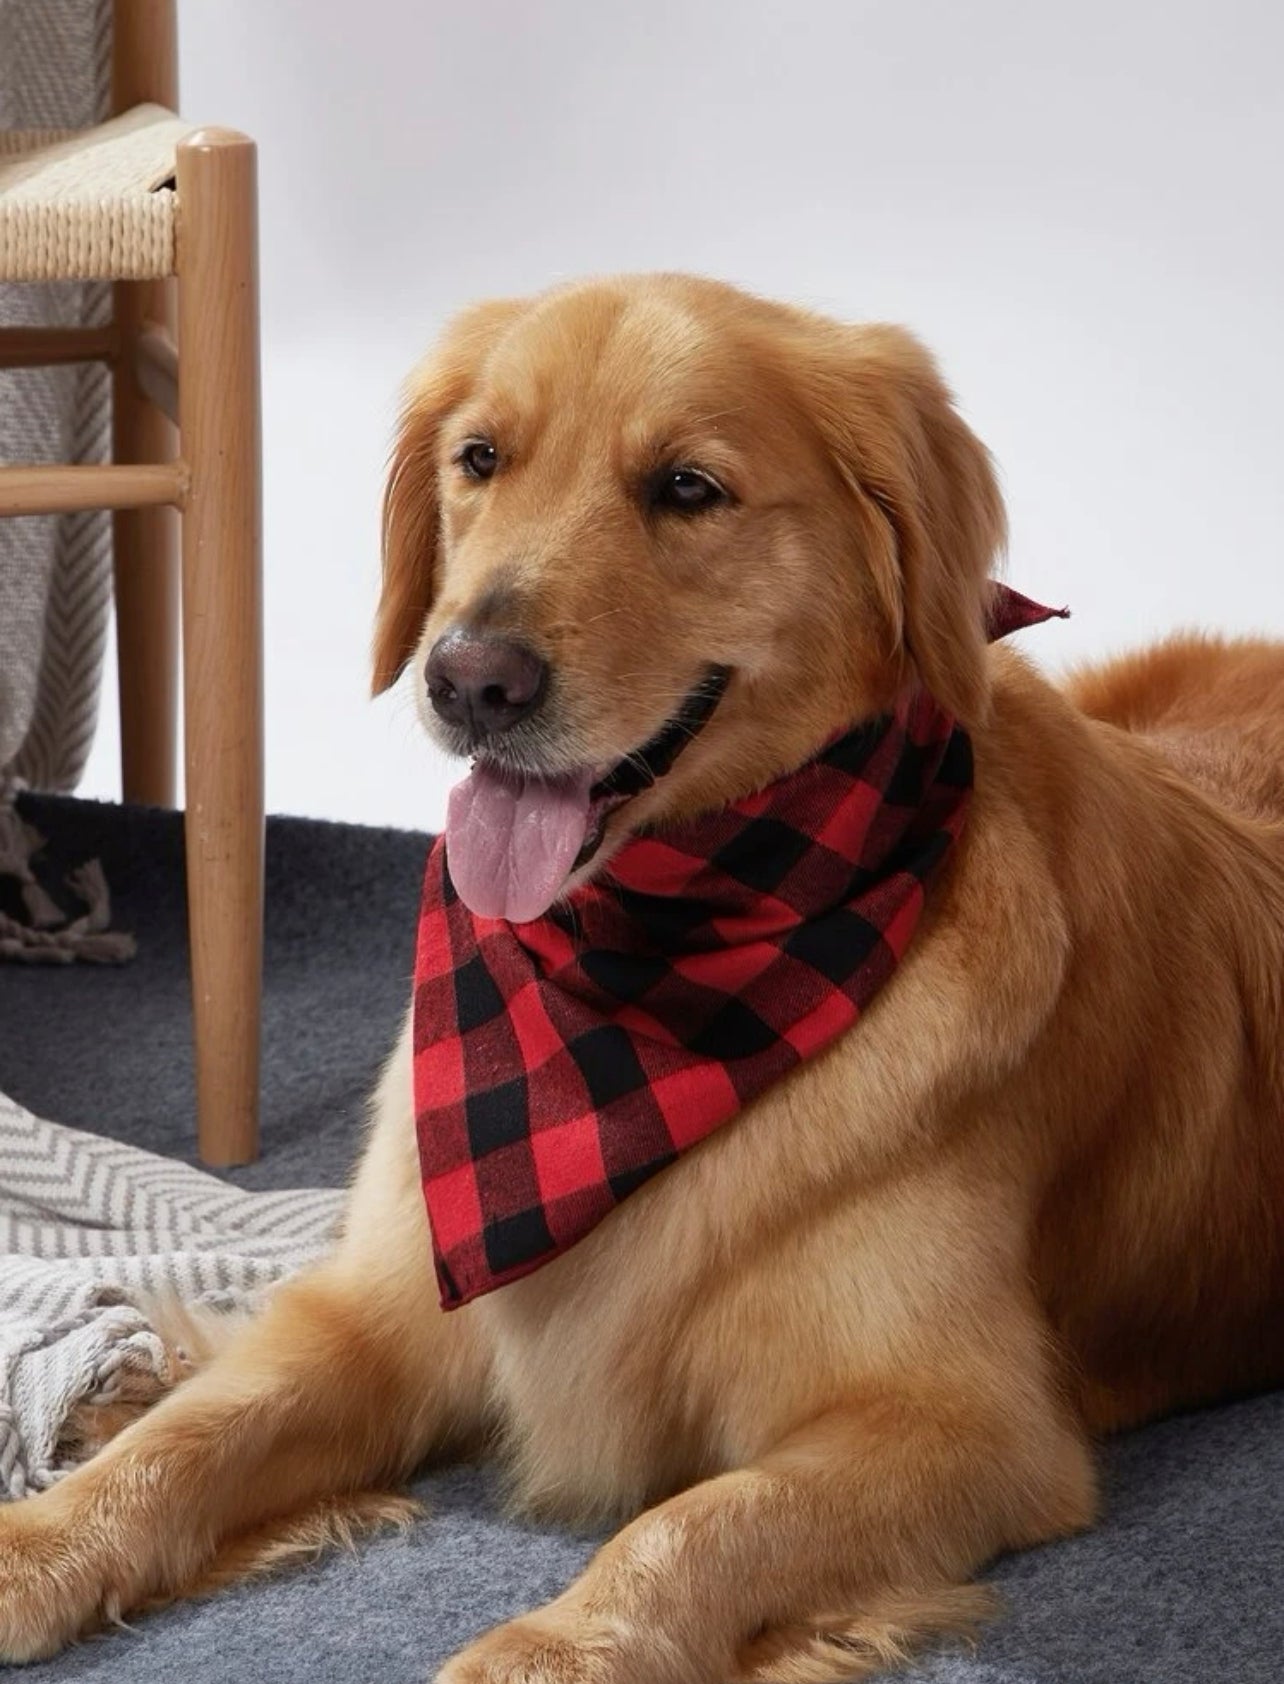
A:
x: 90, y: 205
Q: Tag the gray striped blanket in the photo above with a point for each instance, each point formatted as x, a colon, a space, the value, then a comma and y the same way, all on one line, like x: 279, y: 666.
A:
x: 92, y: 1230
x: 55, y: 570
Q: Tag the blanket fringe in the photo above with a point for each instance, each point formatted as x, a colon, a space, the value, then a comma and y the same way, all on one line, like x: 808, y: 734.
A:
x: 46, y: 936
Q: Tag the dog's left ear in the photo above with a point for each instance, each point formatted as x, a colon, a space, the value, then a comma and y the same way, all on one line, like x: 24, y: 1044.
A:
x: 899, y: 443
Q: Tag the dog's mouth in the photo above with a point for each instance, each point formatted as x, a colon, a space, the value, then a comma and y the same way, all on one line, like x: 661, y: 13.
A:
x: 513, y: 839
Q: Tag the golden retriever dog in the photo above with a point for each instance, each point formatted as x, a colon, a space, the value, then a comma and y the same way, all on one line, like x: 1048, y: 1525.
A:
x: 861, y: 1338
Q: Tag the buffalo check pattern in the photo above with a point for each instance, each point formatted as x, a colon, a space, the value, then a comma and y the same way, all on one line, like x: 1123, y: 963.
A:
x: 560, y: 1064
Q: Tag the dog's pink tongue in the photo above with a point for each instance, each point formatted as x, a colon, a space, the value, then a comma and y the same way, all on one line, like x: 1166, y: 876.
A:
x: 511, y: 841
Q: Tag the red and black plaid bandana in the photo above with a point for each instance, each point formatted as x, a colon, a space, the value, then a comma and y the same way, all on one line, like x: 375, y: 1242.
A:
x: 561, y: 1063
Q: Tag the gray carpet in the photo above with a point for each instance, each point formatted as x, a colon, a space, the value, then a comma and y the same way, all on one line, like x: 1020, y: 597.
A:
x: 1183, y: 1581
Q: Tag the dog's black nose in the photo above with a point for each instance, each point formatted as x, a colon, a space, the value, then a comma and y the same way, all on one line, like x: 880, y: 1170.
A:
x: 485, y: 684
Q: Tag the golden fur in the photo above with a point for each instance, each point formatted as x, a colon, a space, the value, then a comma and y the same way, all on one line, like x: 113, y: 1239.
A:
x: 859, y: 1341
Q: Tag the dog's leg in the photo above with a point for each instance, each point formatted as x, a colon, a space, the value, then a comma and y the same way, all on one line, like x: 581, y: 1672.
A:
x: 342, y: 1383
x: 822, y: 1561
x: 349, y: 1379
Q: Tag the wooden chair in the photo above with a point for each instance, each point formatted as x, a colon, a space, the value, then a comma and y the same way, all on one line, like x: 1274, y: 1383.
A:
x: 136, y: 201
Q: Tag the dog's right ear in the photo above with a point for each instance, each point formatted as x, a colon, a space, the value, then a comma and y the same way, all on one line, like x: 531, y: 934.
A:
x: 411, y: 506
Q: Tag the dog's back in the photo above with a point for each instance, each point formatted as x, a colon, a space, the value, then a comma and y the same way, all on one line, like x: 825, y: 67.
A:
x: 1192, y: 1154
x: 1213, y: 706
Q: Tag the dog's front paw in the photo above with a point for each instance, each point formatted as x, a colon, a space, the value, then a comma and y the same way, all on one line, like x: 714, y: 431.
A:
x: 554, y: 1647
x: 46, y: 1599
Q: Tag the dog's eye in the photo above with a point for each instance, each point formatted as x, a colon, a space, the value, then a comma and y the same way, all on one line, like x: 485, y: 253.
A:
x: 686, y: 490
x: 478, y: 458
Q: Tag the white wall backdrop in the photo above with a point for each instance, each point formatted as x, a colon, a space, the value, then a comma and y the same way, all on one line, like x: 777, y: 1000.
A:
x: 1077, y: 205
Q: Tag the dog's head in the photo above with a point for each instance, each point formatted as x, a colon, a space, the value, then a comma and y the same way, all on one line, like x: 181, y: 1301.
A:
x: 642, y: 515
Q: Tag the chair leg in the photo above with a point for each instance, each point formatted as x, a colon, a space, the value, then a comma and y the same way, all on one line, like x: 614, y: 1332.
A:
x: 222, y: 630
x: 145, y: 557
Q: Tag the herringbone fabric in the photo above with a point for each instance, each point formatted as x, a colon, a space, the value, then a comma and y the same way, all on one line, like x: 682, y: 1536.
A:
x: 55, y: 570
x: 90, y: 1230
